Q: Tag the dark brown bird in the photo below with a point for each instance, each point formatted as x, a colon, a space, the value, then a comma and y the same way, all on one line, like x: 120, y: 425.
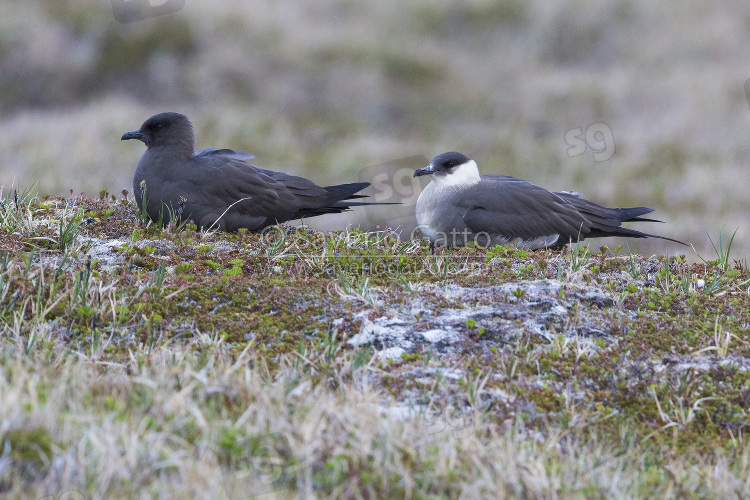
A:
x: 216, y: 188
x: 459, y: 206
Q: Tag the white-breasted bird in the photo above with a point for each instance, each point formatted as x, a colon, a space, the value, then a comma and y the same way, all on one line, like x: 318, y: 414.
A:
x: 459, y: 206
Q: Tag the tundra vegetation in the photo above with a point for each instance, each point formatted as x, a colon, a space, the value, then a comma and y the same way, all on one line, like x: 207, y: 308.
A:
x: 169, y: 362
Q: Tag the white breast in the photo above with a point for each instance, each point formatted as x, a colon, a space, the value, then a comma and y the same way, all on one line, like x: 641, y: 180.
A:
x: 425, y: 210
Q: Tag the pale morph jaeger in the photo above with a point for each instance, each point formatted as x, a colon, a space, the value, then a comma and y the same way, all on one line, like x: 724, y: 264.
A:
x: 216, y: 188
x: 460, y: 206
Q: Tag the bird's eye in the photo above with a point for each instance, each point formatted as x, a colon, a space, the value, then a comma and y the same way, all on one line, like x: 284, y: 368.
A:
x: 159, y: 125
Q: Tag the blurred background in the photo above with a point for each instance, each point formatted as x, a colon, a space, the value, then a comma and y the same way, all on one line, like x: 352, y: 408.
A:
x: 638, y: 102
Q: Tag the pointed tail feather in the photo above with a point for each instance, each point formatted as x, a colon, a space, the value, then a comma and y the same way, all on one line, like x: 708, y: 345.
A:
x: 631, y: 213
x: 607, y: 220
x: 340, y: 194
x: 623, y: 231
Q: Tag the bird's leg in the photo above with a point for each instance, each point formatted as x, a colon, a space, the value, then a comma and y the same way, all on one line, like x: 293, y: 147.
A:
x: 432, y: 247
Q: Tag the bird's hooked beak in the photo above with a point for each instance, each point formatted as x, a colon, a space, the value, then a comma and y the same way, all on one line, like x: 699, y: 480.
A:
x: 428, y: 170
x: 133, y: 134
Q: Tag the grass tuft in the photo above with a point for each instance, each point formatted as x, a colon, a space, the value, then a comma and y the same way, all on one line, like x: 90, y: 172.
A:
x: 139, y: 358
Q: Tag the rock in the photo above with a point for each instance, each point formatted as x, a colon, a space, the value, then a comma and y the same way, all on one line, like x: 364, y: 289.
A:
x: 497, y: 314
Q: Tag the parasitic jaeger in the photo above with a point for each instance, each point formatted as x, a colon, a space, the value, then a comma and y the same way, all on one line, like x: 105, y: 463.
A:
x: 459, y: 205
x: 216, y: 188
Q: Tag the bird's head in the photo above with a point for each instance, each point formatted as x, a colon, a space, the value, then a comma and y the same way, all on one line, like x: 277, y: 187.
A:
x: 451, y: 169
x: 166, y: 129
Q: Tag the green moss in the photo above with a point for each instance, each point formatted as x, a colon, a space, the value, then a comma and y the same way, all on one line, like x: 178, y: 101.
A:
x: 30, y: 445
x: 234, y: 271
x: 182, y: 268
x: 213, y: 265
x: 282, y: 299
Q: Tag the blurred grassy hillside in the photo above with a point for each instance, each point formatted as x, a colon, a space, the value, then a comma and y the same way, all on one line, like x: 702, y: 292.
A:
x: 331, y: 89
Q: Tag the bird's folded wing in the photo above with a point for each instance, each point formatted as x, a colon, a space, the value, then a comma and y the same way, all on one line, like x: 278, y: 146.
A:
x: 264, y: 193
x: 513, y: 208
x: 306, y: 193
x: 234, y: 154
x: 248, y: 191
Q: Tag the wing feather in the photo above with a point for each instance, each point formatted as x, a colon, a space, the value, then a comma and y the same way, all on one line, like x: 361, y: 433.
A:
x: 513, y: 208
